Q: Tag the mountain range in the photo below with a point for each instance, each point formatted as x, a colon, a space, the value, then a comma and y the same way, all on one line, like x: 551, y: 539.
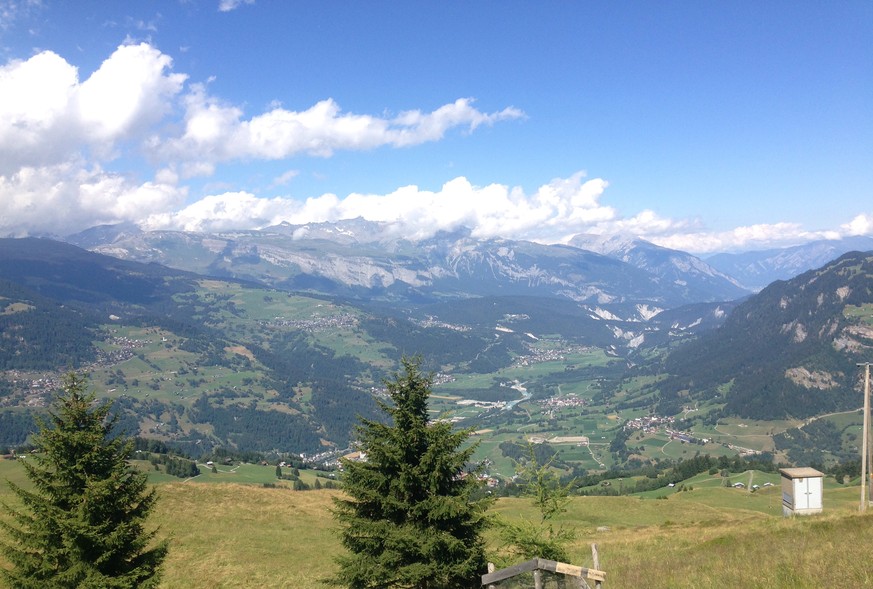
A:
x: 357, y: 259
x: 756, y: 269
x: 283, y: 334
x: 362, y: 258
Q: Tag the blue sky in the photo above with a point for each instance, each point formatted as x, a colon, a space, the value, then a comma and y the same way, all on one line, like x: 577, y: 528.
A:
x: 701, y: 126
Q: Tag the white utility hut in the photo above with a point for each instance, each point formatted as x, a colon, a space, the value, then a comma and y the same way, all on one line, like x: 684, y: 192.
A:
x: 801, y: 491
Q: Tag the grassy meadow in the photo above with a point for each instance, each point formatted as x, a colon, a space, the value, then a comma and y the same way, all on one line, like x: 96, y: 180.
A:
x: 237, y: 534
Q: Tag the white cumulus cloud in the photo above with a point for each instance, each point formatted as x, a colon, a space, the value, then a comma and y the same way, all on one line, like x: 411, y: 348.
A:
x: 48, y: 116
x: 216, y: 132
x: 860, y: 225
x: 131, y: 91
x: 556, y: 211
x: 60, y: 131
x: 64, y: 198
x: 553, y: 213
x: 751, y: 237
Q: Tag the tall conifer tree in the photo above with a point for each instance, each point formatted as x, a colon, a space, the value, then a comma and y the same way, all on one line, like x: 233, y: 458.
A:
x: 411, y: 518
x: 83, y: 523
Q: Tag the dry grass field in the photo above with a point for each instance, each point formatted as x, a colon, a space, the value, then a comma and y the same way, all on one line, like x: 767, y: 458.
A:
x: 241, y: 536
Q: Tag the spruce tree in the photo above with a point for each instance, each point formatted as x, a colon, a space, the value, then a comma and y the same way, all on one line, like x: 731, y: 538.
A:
x: 411, y: 517
x: 83, y: 523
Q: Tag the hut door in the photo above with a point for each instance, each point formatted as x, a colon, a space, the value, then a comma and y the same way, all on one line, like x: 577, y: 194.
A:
x: 801, y: 493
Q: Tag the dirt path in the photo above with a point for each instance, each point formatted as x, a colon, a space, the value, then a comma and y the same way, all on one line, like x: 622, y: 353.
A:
x: 811, y: 419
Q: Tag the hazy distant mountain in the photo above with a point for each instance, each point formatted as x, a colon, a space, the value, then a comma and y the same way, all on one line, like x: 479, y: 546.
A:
x: 698, y: 279
x: 755, y: 270
x: 361, y: 259
x: 789, y: 351
x: 104, y: 234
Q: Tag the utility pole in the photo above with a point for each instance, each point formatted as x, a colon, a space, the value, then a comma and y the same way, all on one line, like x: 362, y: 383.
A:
x: 864, y: 437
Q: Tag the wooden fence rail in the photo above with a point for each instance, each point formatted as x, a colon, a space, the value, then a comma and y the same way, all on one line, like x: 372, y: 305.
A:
x: 537, y: 565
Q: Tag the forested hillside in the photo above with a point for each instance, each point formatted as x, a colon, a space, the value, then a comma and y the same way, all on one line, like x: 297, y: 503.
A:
x: 790, y: 351
x: 38, y: 333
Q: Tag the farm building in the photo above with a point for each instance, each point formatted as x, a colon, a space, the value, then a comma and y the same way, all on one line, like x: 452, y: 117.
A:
x: 801, y: 491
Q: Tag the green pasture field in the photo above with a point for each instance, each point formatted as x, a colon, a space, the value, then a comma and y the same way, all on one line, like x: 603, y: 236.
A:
x: 627, y: 414
x: 755, y: 435
x: 863, y: 313
x: 846, y: 419
x: 489, y: 449
x: 466, y: 382
x: 585, y: 425
x: 12, y: 471
x: 524, y: 373
x: 261, y: 305
x: 740, y: 428
x: 250, y: 474
x: 257, y: 307
x: 584, y: 389
x: 632, y: 387
x: 678, y: 450
x: 653, y: 445
x: 243, y: 474
x: 354, y: 343
x: 660, y: 445
x: 245, y: 536
x: 163, y: 373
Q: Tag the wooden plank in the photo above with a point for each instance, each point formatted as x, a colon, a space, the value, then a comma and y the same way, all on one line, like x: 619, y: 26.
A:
x: 595, y: 575
x: 545, y: 565
x: 568, y: 569
x: 572, y: 570
x: 512, y: 571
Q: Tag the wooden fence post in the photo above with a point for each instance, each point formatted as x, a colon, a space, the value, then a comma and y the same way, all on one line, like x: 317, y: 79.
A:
x: 491, y: 569
x: 597, y: 584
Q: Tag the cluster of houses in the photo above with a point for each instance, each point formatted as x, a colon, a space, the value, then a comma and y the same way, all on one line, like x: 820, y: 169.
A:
x: 34, y: 391
x: 313, y: 324
x: 122, y: 349
x: 686, y: 437
x: 652, y: 424
x: 331, y: 458
x: 649, y: 424
x: 431, y: 321
x: 739, y: 485
x: 553, y: 404
x: 31, y: 392
x: 537, y: 356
